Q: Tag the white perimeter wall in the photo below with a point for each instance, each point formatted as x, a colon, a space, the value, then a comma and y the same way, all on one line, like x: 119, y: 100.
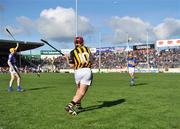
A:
x: 170, y: 70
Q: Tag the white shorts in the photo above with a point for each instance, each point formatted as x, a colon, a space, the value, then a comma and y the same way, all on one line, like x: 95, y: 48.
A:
x: 131, y: 70
x: 83, y: 76
x: 13, y: 71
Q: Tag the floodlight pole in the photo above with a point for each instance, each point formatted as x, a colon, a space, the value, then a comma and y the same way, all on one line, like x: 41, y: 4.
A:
x: 147, y: 42
x: 30, y: 52
x: 100, y: 41
x: 20, y: 62
x: 76, y: 18
x: 127, y: 41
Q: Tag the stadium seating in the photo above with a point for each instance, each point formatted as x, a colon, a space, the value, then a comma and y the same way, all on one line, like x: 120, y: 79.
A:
x: 109, y: 60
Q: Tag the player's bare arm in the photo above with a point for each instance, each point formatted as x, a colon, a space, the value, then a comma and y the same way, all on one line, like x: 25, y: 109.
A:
x: 71, y: 65
x: 17, y: 46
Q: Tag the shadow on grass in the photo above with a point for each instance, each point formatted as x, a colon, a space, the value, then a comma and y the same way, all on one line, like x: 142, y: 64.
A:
x: 39, y: 88
x: 104, y: 104
x: 141, y: 84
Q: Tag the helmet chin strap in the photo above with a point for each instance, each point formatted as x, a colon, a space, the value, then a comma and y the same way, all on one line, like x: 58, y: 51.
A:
x: 79, y: 45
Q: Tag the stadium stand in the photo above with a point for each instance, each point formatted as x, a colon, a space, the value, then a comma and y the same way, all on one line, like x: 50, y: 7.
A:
x: 21, y: 61
x: 113, y: 60
x: 158, y: 59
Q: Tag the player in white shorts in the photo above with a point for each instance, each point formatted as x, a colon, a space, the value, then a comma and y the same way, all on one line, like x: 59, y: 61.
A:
x: 83, y: 76
x: 81, y: 60
x: 13, y: 69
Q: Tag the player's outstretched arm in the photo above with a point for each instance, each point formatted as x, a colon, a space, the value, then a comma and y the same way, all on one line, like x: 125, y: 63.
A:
x: 17, y: 46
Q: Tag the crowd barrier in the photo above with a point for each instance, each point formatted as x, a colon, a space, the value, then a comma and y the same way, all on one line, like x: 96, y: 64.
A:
x: 152, y: 70
x: 113, y: 70
x: 124, y: 70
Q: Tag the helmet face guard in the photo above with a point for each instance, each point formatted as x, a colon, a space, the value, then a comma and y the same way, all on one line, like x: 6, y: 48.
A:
x: 78, y: 41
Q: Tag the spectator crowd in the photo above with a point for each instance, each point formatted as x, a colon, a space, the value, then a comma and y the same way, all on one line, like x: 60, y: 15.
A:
x: 169, y: 58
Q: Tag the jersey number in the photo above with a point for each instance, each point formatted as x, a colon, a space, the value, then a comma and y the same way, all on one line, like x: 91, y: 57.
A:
x: 83, y: 56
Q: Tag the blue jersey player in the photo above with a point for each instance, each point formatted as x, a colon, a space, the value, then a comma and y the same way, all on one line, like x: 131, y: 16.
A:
x: 131, y: 63
x: 13, y: 69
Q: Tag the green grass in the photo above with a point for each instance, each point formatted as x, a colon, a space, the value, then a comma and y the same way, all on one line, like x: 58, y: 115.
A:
x: 110, y: 102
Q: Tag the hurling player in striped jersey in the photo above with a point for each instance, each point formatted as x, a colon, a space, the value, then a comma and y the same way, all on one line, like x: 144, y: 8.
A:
x: 80, y: 60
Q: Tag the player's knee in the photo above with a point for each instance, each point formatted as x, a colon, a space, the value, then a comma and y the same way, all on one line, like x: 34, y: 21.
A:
x: 12, y: 78
x: 18, y: 78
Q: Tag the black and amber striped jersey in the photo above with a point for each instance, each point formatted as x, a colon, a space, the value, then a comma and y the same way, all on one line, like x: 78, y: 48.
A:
x: 81, y: 57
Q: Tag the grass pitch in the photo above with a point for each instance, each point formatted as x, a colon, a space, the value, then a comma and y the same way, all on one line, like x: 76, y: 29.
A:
x: 110, y: 102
